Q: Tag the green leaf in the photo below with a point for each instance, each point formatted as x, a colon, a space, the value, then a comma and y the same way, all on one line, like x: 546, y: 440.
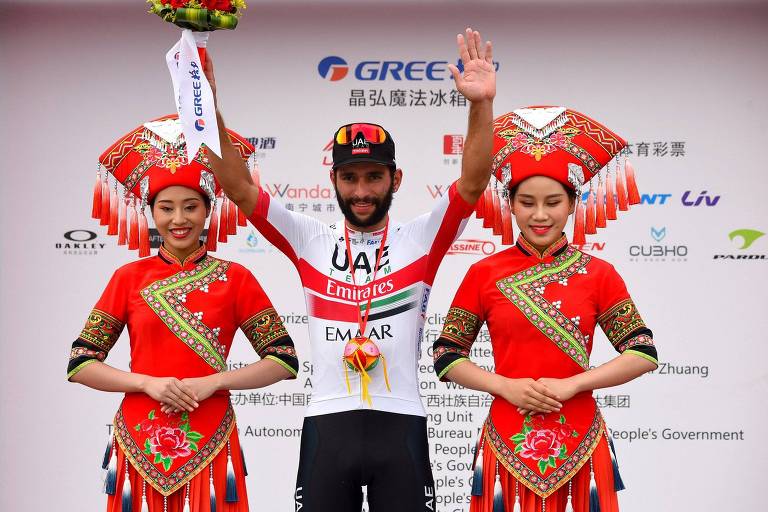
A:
x: 151, y: 414
x: 526, y: 429
x: 563, y: 452
x: 193, y: 446
x: 158, y: 458
x: 543, y: 466
x: 184, y: 416
x: 562, y: 419
x: 552, y: 462
x: 184, y: 427
x: 518, y: 448
x: 575, y: 434
x: 167, y: 463
x: 137, y: 428
x: 194, y: 436
x: 518, y: 438
x: 147, y: 445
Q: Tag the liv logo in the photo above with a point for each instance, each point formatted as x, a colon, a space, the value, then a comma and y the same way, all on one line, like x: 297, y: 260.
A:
x: 748, y: 236
x: 703, y: 199
x: 658, y: 234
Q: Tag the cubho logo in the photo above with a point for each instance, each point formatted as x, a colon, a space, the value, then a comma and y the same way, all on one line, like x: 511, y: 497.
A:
x: 744, y: 238
x: 658, y: 252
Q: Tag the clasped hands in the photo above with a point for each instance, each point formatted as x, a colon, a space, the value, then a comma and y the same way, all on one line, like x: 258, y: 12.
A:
x: 540, y: 396
x: 176, y: 395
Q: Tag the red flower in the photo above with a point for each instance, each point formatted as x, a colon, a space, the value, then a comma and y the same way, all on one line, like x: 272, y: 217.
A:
x: 221, y: 5
x: 540, y: 445
x: 178, y: 3
x: 147, y: 426
x: 558, y: 139
x: 563, y: 431
x: 170, y: 442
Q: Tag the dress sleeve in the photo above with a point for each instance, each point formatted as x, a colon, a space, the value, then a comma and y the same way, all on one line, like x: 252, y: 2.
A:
x: 462, y: 324
x: 262, y: 325
x: 435, y: 231
x: 287, y: 230
x: 620, y: 320
x: 102, y: 329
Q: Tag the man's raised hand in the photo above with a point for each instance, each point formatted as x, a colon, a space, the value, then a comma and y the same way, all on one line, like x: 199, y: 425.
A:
x: 478, y: 81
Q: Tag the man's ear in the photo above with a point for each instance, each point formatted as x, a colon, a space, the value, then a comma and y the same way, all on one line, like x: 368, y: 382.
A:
x: 397, y: 179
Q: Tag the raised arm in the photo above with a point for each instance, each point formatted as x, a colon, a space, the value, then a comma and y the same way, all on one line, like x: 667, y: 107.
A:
x: 478, y: 85
x: 231, y: 170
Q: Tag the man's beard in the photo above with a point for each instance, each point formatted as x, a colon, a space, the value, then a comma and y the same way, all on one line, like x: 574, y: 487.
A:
x: 381, y: 207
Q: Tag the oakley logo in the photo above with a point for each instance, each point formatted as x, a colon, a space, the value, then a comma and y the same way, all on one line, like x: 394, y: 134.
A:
x: 333, y: 68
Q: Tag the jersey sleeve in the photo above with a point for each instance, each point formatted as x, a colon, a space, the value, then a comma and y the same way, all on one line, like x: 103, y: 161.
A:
x: 287, y: 230
x: 462, y: 325
x: 620, y: 320
x: 102, y: 328
x: 435, y: 231
x: 262, y: 325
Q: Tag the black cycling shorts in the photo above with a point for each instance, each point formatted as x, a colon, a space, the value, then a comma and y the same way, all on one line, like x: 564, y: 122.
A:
x: 387, y: 452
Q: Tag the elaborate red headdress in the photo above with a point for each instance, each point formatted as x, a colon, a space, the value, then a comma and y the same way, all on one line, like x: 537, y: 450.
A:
x: 564, y: 145
x: 146, y: 160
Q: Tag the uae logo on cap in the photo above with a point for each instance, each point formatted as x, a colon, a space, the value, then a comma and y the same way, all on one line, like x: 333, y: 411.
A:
x: 360, y: 146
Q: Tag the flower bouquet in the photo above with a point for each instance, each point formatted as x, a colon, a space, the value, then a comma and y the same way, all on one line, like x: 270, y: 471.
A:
x: 186, y: 60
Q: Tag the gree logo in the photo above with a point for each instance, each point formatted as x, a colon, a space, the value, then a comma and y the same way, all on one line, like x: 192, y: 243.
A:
x: 333, y: 68
x: 748, y: 236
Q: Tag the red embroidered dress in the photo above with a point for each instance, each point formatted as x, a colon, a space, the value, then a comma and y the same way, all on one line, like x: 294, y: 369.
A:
x: 181, y: 318
x: 542, y: 311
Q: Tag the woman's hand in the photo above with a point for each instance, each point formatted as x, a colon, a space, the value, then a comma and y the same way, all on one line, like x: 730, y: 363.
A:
x: 171, y: 391
x: 564, y: 389
x: 530, y: 395
x: 201, y: 388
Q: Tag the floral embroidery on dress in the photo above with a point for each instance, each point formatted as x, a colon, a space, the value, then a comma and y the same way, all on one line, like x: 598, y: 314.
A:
x: 544, y: 485
x: 168, y: 437
x: 620, y: 321
x: 461, y: 326
x: 522, y: 290
x: 101, y: 329
x: 263, y: 329
x: 543, y: 440
x: 166, y: 298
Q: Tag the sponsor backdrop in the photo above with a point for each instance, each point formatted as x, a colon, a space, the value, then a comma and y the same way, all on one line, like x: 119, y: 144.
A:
x: 685, y: 84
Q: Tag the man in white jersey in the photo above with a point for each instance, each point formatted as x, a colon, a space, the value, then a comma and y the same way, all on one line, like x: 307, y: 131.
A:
x: 365, y: 425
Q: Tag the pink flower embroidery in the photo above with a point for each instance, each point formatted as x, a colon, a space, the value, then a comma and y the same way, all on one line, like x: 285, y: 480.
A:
x: 540, y: 445
x: 170, y: 442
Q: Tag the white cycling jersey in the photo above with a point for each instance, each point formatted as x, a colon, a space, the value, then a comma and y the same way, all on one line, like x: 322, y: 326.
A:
x: 399, y: 296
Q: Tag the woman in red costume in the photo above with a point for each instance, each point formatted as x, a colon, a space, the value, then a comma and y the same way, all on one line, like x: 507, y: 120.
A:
x: 182, y: 308
x: 545, y: 446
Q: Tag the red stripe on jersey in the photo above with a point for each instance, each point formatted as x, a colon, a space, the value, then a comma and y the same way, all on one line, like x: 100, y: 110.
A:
x: 458, y: 210
x: 331, y: 288
x: 259, y: 219
x: 330, y: 310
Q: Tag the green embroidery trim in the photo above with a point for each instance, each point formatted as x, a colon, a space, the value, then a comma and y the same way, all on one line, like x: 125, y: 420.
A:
x: 79, y: 367
x: 283, y: 364
x: 644, y: 356
x: 450, y: 367
x: 520, y: 289
x: 157, y: 296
